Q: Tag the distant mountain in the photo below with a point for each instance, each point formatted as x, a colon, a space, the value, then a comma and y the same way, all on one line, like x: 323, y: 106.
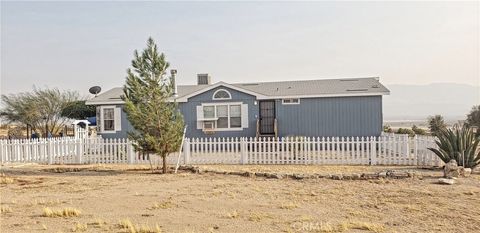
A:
x: 416, y: 102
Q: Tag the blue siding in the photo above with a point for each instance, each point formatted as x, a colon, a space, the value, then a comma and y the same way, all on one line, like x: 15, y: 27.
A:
x: 336, y: 116
x: 189, y: 111
x: 126, y: 127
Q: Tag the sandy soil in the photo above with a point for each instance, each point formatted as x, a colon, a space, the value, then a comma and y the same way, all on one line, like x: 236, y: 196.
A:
x: 185, y: 202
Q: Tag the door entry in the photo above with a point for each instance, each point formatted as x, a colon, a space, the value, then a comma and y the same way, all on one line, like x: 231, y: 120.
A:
x: 267, y: 117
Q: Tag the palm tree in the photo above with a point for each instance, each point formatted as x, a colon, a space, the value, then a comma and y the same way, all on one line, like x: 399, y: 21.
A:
x: 436, y: 124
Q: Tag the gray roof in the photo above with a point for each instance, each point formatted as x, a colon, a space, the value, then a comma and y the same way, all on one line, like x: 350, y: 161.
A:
x: 316, y: 87
x: 303, y: 88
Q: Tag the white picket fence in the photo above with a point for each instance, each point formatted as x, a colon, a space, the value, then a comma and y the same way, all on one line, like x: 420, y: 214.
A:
x: 388, y: 149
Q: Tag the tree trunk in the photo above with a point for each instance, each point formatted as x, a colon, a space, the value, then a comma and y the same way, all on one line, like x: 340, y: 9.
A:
x: 164, y: 158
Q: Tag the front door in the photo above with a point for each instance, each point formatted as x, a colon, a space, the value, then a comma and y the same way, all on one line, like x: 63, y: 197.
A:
x: 267, y: 117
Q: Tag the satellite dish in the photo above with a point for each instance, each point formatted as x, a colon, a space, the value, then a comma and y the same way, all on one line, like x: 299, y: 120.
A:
x: 95, y: 90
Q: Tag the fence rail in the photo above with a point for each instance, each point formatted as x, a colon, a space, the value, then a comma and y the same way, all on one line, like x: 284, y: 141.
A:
x: 387, y: 149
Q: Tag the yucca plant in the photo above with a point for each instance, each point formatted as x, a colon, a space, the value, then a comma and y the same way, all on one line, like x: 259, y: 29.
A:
x: 460, y: 144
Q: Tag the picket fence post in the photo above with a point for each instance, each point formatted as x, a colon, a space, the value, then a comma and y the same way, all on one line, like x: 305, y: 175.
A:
x: 79, y: 150
x: 130, y: 152
x: 50, y: 151
x: 243, y: 151
x: 373, y: 151
x: 186, y: 151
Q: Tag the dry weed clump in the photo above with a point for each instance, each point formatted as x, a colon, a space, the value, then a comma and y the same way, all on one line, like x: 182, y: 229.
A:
x: 258, y: 217
x: 373, y: 227
x: 288, y: 205
x: 99, y: 223
x: 66, y: 212
x: 164, y: 204
x: 233, y: 214
x: 5, y: 209
x: 127, y: 225
x: 79, y: 227
x: 5, y: 179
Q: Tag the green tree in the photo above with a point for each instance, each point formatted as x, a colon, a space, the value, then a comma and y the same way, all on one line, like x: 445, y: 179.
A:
x: 40, y: 109
x: 436, y: 124
x: 149, y: 104
x: 78, y: 110
x: 473, y: 118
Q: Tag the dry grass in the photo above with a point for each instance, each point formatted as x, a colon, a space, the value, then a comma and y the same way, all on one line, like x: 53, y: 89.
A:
x: 258, y: 217
x: 66, y: 212
x: 129, y: 227
x: 99, y: 223
x: 79, y: 227
x: 5, y: 209
x: 233, y: 214
x: 288, y: 205
x: 164, y: 204
x: 5, y: 179
x: 204, y: 203
x: 46, y: 202
x: 366, y: 226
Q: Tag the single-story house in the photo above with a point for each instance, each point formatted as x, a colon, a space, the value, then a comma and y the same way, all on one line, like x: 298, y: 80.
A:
x: 314, y: 108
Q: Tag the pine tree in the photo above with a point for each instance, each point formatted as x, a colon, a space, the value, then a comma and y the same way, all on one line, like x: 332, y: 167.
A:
x: 149, y: 105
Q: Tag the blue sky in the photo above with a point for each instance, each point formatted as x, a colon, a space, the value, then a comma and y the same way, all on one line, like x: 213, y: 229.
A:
x: 76, y: 45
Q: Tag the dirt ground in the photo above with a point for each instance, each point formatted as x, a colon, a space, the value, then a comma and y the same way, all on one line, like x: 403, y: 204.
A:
x: 119, y: 199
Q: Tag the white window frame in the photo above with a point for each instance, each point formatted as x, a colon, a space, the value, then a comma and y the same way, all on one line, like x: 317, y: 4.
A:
x: 291, y: 103
x: 102, y: 126
x: 228, y: 104
x: 229, y: 95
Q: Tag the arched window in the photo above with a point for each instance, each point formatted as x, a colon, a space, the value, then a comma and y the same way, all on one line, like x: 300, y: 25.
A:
x: 222, y: 94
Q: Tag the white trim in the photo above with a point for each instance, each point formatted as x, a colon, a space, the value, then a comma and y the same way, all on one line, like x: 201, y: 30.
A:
x: 229, y: 95
x: 291, y: 103
x: 228, y: 104
x: 104, y: 102
x: 323, y: 95
x: 185, y: 98
x: 102, y: 126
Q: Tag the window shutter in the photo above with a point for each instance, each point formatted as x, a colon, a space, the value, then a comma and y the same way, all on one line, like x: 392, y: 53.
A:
x: 118, y: 119
x: 99, y: 119
x: 199, y: 116
x: 244, y: 115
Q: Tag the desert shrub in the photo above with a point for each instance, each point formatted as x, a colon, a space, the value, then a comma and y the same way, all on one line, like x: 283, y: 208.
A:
x: 387, y: 129
x: 418, y: 131
x: 405, y: 131
x: 460, y: 144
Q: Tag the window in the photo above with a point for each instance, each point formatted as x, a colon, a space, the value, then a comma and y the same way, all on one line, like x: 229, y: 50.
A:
x: 108, y: 119
x: 225, y: 116
x: 290, y: 101
x: 209, y: 112
x: 222, y: 114
x: 235, y: 116
x: 221, y: 94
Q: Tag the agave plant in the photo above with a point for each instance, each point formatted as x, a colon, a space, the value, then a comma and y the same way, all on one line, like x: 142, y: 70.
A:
x: 460, y: 144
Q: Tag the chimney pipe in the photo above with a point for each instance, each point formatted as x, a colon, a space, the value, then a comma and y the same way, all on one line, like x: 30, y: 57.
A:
x: 173, y: 73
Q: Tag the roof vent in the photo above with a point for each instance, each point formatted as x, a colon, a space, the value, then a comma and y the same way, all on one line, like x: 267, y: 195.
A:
x: 357, y: 89
x: 375, y: 86
x: 203, y: 79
